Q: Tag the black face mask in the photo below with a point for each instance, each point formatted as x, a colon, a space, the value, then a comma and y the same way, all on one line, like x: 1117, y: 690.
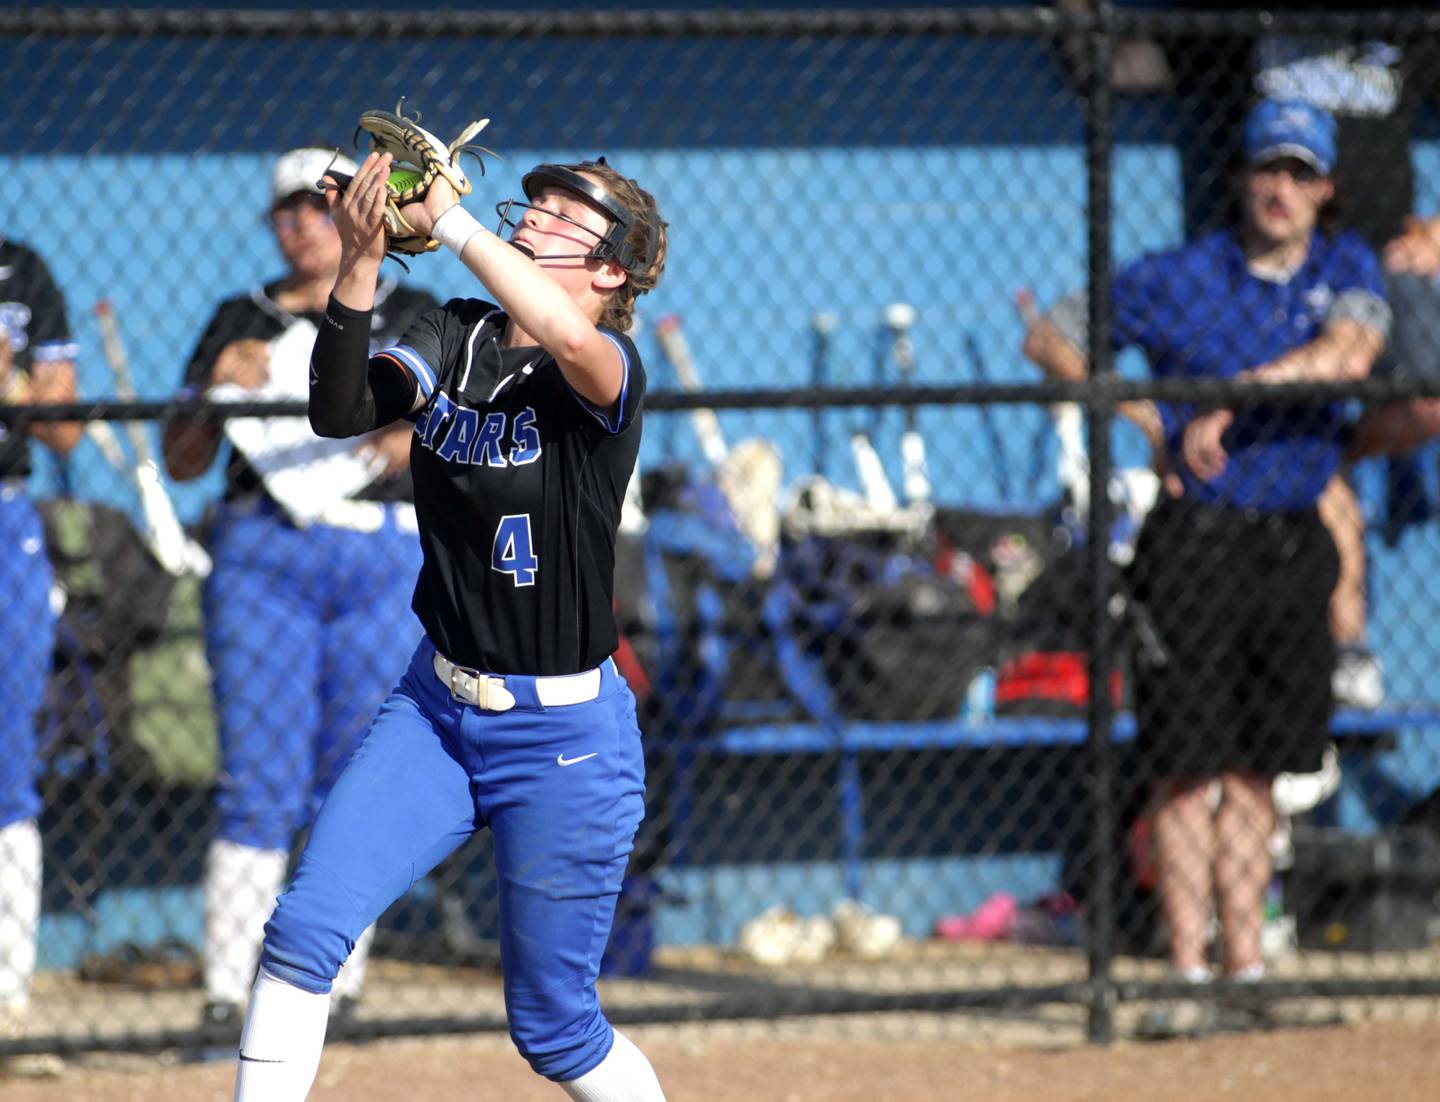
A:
x: 612, y: 245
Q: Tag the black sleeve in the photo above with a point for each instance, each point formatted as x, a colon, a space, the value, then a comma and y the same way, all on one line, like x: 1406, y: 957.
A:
x: 226, y: 324
x: 49, y: 330
x: 349, y: 393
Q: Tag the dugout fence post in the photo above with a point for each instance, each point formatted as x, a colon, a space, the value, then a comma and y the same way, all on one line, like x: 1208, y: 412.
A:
x: 1099, y: 408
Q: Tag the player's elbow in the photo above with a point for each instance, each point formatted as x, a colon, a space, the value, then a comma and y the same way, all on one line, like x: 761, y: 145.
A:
x: 1357, y: 357
x: 324, y: 422
x: 1357, y: 368
x: 574, y: 338
x: 329, y: 418
x: 1348, y: 350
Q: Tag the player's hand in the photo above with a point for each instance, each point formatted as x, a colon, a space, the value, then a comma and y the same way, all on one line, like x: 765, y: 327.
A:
x: 388, y: 449
x: 245, y: 363
x: 1203, y: 447
x: 423, y: 215
x: 1146, y: 417
x: 1165, y: 471
x: 359, y: 213
x: 1417, y: 250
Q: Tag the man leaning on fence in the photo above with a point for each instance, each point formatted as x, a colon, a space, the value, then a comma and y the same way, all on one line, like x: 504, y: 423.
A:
x: 37, y: 366
x: 1234, y: 563
x: 307, y: 610
x: 1374, y: 83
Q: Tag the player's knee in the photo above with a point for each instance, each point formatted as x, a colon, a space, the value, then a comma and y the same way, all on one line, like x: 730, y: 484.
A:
x: 308, y: 936
x: 561, y: 1038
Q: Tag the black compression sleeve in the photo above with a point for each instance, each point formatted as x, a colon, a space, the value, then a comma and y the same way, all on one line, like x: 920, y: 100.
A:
x: 351, y: 394
x: 340, y: 400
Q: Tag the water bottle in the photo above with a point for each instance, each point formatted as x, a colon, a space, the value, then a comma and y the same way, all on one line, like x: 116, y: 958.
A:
x: 980, y: 697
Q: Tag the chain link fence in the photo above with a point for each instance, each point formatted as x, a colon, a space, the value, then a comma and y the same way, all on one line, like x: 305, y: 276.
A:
x: 869, y: 575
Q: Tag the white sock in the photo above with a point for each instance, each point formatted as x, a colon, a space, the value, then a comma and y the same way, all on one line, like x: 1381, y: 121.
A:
x: 19, y: 911
x: 281, y: 1045
x: 352, y: 973
x: 241, y: 885
x: 623, y: 1076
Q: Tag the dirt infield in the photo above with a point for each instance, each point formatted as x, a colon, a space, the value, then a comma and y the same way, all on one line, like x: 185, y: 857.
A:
x: 801, y: 1062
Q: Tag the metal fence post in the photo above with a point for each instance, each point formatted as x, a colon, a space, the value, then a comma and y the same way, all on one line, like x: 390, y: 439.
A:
x: 1100, y: 772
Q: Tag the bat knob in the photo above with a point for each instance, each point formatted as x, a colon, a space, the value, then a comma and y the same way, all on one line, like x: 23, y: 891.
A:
x: 900, y: 315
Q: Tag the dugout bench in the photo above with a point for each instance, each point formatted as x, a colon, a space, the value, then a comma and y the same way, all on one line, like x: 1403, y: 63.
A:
x: 1354, y: 730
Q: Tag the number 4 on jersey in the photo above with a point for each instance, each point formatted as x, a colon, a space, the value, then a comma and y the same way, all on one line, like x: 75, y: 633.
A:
x: 513, y: 553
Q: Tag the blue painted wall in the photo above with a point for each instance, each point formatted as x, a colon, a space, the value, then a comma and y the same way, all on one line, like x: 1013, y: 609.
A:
x: 839, y: 230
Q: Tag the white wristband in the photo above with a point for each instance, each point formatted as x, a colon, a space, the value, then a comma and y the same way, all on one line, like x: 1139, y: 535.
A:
x: 454, y: 228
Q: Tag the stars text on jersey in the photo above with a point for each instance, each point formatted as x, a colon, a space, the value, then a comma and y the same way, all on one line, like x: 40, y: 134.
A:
x: 492, y: 438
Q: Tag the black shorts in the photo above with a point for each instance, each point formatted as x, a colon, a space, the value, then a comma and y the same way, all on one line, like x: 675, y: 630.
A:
x: 1240, y: 600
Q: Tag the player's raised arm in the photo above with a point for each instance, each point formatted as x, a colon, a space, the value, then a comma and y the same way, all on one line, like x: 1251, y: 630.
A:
x: 583, y: 245
x: 346, y: 397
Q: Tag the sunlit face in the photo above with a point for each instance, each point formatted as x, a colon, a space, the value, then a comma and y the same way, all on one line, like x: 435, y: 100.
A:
x: 307, y: 237
x: 560, y: 225
x: 1283, y: 198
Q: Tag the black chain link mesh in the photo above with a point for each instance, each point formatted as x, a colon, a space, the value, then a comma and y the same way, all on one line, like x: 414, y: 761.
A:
x: 864, y: 698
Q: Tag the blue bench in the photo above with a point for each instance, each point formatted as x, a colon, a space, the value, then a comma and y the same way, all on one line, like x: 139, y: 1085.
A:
x: 1354, y: 729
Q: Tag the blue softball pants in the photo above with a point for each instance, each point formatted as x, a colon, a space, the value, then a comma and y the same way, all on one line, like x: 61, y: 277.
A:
x: 304, y: 629
x: 28, y: 639
x: 562, y: 791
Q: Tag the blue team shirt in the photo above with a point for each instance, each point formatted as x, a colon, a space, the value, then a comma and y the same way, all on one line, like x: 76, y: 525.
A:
x: 1197, y: 312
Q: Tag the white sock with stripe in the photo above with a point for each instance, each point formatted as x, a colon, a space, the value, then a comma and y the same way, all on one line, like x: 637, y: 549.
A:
x: 623, y: 1076
x: 241, y: 885
x: 281, y: 1045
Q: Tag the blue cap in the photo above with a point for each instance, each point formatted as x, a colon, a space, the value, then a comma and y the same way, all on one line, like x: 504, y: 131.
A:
x: 1290, y: 128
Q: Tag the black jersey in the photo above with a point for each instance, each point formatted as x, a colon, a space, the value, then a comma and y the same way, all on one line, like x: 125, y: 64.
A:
x: 519, y: 483
x: 257, y: 315
x: 32, y: 315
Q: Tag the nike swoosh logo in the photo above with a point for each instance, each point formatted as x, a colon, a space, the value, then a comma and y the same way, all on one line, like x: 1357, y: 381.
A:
x: 561, y: 759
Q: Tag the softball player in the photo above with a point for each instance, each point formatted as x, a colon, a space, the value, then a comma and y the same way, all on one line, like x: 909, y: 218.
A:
x: 511, y: 716
x: 305, y: 618
x: 36, y: 365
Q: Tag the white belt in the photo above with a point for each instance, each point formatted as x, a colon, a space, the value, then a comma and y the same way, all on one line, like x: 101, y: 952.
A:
x: 487, y: 691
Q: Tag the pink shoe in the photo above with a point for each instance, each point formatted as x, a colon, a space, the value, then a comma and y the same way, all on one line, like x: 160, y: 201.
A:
x: 991, y: 921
